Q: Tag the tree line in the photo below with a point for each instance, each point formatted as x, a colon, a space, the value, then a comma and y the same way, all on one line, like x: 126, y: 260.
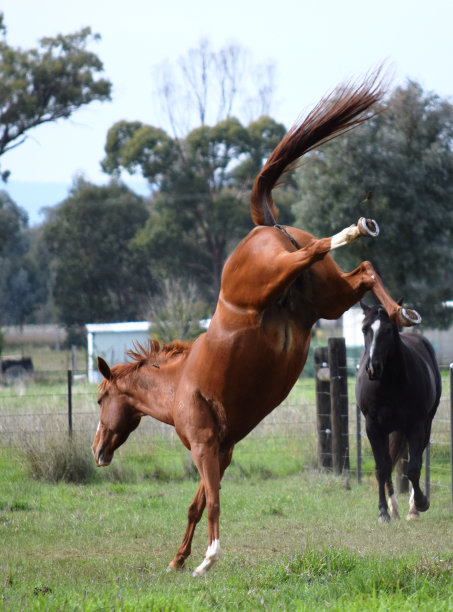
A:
x: 106, y: 253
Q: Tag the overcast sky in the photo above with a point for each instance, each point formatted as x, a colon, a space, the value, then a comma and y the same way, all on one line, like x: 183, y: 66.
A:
x: 314, y: 45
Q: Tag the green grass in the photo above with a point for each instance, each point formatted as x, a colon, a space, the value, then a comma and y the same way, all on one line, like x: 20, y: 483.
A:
x: 303, y: 541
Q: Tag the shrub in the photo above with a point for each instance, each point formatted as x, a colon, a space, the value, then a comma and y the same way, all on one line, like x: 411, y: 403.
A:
x: 57, y: 457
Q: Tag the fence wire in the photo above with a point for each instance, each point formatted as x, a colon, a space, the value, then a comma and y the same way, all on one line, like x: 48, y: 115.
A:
x: 36, y: 408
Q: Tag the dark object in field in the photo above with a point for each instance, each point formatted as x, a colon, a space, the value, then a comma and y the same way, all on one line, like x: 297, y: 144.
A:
x: 277, y: 283
x: 16, y: 368
x: 398, y: 390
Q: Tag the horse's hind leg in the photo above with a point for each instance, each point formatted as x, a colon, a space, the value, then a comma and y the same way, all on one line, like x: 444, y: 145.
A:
x: 365, y: 278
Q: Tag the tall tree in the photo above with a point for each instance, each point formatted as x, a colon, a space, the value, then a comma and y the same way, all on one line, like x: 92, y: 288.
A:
x: 206, y: 86
x: 97, y: 276
x: 45, y: 84
x: 398, y: 169
x: 200, y: 206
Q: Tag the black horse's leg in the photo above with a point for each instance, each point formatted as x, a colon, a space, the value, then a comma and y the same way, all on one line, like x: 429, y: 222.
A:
x: 418, y: 439
x: 392, y: 501
x: 380, y: 447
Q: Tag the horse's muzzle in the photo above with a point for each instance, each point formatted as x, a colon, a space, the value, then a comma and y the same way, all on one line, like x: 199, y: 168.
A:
x: 101, y: 460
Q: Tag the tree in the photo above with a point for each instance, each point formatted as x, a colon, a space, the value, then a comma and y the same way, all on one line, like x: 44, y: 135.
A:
x: 17, y: 278
x: 398, y: 169
x: 177, y: 312
x: 97, y: 276
x: 207, y: 86
x: 200, y: 206
x: 45, y: 84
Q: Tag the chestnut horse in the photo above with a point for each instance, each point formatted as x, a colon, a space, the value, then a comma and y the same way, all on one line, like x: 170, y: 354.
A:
x: 276, y: 284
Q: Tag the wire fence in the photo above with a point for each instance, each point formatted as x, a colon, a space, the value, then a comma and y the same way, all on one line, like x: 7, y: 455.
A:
x: 64, y: 402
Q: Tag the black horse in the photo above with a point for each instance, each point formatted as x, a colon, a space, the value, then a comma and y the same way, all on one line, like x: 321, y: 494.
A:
x: 398, y: 390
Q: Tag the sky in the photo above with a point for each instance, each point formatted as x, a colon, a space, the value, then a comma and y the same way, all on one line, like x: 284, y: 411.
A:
x: 314, y: 46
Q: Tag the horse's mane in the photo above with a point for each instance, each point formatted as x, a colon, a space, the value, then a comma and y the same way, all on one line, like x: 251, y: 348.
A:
x: 143, y: 354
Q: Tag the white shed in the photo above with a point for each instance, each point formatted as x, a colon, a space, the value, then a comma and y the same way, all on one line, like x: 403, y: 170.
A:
x: 111, y: 341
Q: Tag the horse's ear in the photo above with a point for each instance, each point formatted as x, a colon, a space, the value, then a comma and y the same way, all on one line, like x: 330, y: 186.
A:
x: 104, y: 369
x: 364, y: 306
x: 400, y: 301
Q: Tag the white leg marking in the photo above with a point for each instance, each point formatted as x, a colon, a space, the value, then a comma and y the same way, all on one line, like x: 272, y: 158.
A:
x: 212, y: 555
x: 413, y: 512
x: 393, y: 504
x: 346, y: 236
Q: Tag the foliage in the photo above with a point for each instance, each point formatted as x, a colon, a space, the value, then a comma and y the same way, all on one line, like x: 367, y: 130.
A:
x: 97, y: 276
x: 200, y: 209
x: 176, y: 312
x: 45, y: 84
x: 58, y: 458
x: 403, y: 158
x: 20, y: 289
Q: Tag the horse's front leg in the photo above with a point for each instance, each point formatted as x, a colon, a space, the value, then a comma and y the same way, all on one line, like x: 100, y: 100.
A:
x: 194, y: 515
x: 380, y: 447
x: 392, y: 501
x: 206, y: 458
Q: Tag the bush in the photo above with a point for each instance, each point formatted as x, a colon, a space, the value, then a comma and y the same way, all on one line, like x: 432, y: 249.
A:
x: 58, y: 457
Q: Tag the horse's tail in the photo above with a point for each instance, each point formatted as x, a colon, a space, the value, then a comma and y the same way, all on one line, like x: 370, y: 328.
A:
x: 342, y: 110
x: 397, y: 446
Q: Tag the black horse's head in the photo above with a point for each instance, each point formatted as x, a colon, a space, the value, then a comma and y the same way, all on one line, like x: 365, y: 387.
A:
x: 380, y: 335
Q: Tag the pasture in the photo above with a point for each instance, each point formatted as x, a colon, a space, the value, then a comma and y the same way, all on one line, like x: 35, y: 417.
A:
x: 292, y: 538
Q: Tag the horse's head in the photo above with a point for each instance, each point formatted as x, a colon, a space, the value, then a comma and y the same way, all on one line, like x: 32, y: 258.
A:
x: 379, y: 334
x: 118, y: 417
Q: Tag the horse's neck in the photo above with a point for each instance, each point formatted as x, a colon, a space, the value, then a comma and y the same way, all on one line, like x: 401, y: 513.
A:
x: 395, y: 368
x: 154, y: 390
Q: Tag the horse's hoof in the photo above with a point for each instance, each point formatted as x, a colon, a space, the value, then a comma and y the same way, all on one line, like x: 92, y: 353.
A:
x: 384, y: 518
x: 423, y: 507
x: 409, y: 317
x: 368, y: 227
x: 174, y: 566
x: 412, y: 515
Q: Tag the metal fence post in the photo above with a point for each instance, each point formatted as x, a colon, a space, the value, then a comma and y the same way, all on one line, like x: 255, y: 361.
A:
x: 359, y: 443
x: 427, y: 468
x: 451, y: 429
x: 70, y: 403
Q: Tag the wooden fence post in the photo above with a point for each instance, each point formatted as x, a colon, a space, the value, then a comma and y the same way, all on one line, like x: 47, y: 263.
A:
x: 339, y: 404
x: 322, y: 385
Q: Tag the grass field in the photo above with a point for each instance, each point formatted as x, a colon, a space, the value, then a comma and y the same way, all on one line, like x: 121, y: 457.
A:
x: 292, y: 538
x: 305, y: 541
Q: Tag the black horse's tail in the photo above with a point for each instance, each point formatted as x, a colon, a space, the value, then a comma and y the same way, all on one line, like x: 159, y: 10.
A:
x: 398, y: 446
x: 342, y: 110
